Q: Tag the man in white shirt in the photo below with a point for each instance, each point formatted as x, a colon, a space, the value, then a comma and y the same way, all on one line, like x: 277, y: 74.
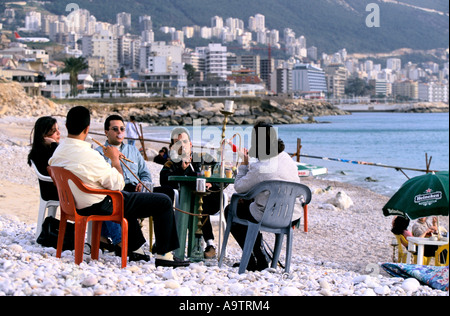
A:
x: 77, y: 156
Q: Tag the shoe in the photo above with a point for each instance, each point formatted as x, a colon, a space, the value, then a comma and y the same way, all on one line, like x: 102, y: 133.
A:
x: 132, y: 255
x: 107, y: 246
x: 210, y: 252
x: 168, y: 260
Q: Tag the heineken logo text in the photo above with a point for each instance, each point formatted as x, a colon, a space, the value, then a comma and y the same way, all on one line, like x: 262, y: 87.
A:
x: 428, y: 197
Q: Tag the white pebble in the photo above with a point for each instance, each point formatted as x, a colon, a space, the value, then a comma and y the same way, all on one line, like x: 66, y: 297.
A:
x: 89, y: 281
x: 290, y: 291
x: 410, y: 285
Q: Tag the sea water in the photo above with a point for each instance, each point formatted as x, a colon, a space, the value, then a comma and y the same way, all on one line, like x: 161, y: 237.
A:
x: 393, y: 139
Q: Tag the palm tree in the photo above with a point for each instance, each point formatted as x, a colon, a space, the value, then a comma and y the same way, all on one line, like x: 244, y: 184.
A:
x: 73, y: 66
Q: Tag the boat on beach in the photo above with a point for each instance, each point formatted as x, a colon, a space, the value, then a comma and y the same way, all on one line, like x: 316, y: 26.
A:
x: 307, y: 170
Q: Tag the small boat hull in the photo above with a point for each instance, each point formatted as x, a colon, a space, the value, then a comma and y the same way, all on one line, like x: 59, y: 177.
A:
x: 306, y: 170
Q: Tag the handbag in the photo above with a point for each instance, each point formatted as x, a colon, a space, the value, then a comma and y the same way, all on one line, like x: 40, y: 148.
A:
x: 49, y: 234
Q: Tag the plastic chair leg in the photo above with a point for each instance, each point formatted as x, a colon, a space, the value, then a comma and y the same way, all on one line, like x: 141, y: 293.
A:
x: 95, y: 239
x: 277, y: 249
x: 252, y: 233
x: 80, y: 232
x: 61, y: 233
x: 124, y: 242
x: 288, y: 251
x: 41, y: 217
x: 226, y: 235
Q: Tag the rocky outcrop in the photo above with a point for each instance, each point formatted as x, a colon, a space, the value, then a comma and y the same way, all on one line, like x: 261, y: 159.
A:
x: 247, y: 112
x: 15, y: 102
x: 425, y: 107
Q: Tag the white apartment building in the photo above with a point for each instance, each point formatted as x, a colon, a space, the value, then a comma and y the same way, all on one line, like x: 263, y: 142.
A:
x: 124, y: 19
x: 257, y: 23
x: 433, y: 92
x: 383, y: 87
x: 33, y: 21
x: 205, y: 32
x: 217, y: 21
x: 102, y: 44
x: 128, y: 51
x: 215, y: 56
x: 394, y: 63
x: 175, y: 52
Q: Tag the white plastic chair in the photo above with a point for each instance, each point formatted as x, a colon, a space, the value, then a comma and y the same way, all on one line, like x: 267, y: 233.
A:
x: 51, y: 205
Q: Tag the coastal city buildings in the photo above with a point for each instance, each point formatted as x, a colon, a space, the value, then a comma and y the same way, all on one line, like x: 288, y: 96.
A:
x: 241, y: 58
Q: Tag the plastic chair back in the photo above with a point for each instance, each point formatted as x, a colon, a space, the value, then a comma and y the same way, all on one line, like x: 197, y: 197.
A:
x: 61, y: 177
x: 437, y: 256
x: 51, y: 205
x: 277, y: 217
x: 401, y: 253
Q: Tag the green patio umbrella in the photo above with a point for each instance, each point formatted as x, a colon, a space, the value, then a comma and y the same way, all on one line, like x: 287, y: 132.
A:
x: 421, y: 196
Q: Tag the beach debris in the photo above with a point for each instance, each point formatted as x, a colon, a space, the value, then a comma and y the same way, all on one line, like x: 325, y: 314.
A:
x: 341, y: 200
x: 320, y: 190
x: 327, y: 207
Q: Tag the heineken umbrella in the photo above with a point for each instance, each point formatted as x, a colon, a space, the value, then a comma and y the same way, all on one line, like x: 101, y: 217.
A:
x: 421, y: 196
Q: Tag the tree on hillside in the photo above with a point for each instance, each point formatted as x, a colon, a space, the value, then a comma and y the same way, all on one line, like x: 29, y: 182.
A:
x: 73, y: 66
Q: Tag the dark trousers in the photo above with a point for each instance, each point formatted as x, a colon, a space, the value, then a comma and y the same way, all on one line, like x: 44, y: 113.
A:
x: 211, y: 205
x: 143, y: 205
x: 258, y: 259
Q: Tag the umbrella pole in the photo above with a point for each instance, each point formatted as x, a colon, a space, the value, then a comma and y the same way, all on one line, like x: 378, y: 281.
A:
x: 438, y: 228
x: 428, y: 162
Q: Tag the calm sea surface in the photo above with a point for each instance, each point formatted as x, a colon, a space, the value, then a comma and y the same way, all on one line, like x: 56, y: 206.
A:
x: 394, y: 139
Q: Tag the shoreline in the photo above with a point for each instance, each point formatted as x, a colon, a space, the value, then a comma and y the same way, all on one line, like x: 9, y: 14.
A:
x: 340, y: 246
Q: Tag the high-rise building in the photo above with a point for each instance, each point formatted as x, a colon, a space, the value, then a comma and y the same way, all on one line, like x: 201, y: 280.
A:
x: 336, y: 76
x: 306, y: 77
x: 433, y: 92
x: 215, y: 61
x: 102, y: 44
x: 394, y: 63
x: 145, y: 23
x: 408, y: 89
x: 267, y: 68
x: 383, y: 87
x: 124, y: 19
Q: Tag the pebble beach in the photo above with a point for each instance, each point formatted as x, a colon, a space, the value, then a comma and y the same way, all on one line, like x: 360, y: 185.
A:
x: 340, y: 255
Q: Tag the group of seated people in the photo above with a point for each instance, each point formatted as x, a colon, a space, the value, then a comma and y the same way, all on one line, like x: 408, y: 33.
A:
x: 422, y: 227
x: 101, y: 168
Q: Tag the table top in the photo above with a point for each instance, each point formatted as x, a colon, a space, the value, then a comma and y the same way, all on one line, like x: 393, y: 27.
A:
x: 427, y: 241
x: 209, y: 179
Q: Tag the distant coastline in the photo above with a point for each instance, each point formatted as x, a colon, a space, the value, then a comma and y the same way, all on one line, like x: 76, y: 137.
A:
x: 183, y: 111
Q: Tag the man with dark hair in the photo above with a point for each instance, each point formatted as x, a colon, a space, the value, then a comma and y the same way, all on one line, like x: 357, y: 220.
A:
x: 115, y: 135
x: 183, y: 162
x: 77, y: 156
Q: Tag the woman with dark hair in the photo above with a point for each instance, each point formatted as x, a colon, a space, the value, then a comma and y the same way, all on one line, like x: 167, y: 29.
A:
x: 400, y: 227
x: 272, y: 164
x: 46, y: 137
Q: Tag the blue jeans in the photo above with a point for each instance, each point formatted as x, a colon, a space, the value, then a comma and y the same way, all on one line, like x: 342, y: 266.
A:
x: 113, y: 231
x: 143, y: 205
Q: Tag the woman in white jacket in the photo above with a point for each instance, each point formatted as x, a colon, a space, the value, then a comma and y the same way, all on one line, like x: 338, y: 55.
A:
x: 272, y: 164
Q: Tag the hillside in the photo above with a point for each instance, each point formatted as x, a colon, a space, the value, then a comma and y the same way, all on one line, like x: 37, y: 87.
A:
x: 329, y: 25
